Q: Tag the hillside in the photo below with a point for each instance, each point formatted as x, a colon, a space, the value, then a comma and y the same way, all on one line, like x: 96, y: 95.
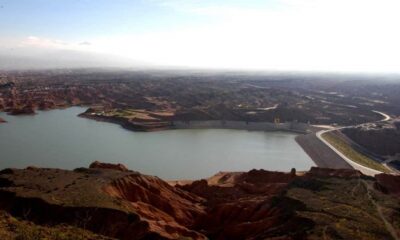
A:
x: 112, y: 201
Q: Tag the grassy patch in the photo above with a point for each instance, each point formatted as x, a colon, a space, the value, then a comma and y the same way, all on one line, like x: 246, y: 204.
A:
x: 343, y: 210
x: 351, y: 153
x: 130, y: 114
x: 16, y: 229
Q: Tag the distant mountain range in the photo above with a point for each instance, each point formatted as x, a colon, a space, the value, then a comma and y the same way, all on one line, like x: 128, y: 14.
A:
x: 17, y: 59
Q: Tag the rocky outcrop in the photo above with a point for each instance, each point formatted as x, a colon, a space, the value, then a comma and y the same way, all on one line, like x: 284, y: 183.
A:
x: 130, y: 124
x: 327, y: 172
x: 167, y: 210
x: 26, y: 110
x: 242, y: 206
x: 119, y: 167
x: 110, y: 200
x: 105, y: 200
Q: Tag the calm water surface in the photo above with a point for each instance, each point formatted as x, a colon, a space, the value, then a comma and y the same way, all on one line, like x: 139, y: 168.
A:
x: 60, y: 139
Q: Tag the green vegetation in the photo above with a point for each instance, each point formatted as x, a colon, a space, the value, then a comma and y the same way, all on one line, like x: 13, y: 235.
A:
x: 130, y: 114
x: 351, y: 153
x: 121, y: 113
x: 342, y: 209
x: 12, y: 228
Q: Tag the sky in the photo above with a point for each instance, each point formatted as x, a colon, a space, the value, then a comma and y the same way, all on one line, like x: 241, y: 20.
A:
x: 292, y: 35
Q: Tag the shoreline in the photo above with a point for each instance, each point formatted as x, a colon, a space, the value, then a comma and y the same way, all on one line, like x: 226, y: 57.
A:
x: 237, y: 125
x: 293, y: 127
x: 298, y: 128
x: 309, y: 135
x: 319, y: 153
x: 301, y: 129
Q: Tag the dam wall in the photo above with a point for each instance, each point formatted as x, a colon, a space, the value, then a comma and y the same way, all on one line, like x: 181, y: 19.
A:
x: 242, y: 125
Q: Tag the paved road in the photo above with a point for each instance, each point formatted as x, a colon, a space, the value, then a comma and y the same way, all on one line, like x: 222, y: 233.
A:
x: 363, y: 169
x: 386, y: 117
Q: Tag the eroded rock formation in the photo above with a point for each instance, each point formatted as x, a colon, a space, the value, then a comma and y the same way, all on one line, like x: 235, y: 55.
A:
x: 27, y: 110
x: 110, y: 200
x: 119, y: 167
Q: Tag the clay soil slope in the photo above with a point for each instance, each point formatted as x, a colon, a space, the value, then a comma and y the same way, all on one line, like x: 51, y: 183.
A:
x: 111, y: 201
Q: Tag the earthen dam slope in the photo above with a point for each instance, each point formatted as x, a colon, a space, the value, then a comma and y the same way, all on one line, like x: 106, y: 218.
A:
x: 321, y: 154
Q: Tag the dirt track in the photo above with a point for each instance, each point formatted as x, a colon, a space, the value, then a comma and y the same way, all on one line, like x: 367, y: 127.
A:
x: 321, y: 154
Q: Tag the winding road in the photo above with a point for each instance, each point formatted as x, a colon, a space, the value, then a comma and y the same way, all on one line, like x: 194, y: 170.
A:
x: 365, y: 170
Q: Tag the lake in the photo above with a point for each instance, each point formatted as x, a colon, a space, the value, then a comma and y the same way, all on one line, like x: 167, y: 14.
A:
x: 60, y: 139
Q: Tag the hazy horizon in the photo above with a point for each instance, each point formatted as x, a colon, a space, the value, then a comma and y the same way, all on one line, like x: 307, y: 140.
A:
x: 277, y: 35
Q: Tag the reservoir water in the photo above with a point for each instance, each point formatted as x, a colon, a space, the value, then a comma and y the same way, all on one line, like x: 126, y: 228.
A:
x: 60, y: 139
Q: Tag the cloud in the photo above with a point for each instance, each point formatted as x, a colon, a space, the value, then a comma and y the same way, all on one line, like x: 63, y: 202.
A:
x: 215, y: 8
x: 340, y: 35
x: 85, y: 43
x: 48, y: 43
x: 34, y: 41
x: 59, y: 59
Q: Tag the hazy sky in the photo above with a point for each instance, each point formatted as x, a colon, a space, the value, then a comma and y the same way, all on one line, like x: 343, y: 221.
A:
x: 323, y: 35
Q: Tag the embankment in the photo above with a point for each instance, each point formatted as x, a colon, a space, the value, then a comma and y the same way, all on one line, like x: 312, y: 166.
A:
x: 321, y: 154
x: 296, y: 127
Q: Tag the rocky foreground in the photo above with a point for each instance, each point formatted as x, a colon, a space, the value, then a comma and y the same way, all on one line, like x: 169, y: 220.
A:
x: 110, y: 201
